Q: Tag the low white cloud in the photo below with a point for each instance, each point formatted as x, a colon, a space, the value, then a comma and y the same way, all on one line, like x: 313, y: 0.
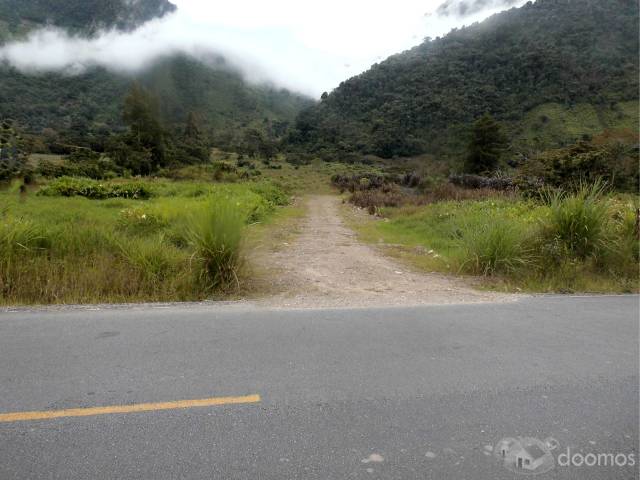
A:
x: 308, y: 47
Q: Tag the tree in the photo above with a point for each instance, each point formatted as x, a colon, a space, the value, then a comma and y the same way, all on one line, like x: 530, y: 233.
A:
x: 146, y: 134
x: 13, y: 159
x: 556, y: 51
x: 255, y: 143
x: 486, y: 146
x: 137, y: 162
x: 143, y: 148
x: 192, y: 130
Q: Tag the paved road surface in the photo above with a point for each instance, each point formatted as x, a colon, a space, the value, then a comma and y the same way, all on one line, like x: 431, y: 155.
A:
x: 397, y: 393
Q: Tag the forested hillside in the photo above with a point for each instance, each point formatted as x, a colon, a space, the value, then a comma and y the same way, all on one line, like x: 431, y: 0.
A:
x: 88, y: 104
x: 85, y: 16
x: 551, y: 72
x: 93, y: 100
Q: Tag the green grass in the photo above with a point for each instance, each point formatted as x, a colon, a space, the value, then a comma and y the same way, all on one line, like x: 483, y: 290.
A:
x: 583, y: 242
x: 56, y: 249
x: 552, y: 124
x: 312, y: 178
x: 75, y: 240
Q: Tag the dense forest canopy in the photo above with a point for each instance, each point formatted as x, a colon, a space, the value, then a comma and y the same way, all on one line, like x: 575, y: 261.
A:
x: 82, y: 15
x: 93, y: 99
x: 89, y: 104
x: 549, y: 54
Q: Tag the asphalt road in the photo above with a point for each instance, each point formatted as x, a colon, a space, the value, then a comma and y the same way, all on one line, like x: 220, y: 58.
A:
x: 399, y: 393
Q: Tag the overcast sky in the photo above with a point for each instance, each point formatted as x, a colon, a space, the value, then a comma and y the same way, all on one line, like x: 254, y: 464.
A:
x: 308, y: 46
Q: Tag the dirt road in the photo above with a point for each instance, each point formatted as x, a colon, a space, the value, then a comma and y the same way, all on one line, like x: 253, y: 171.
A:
x: 326, y: 266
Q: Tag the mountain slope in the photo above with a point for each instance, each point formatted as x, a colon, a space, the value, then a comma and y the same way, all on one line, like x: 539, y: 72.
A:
x: 86, y: 16
x: 92, y: 101
x: 548, y: 55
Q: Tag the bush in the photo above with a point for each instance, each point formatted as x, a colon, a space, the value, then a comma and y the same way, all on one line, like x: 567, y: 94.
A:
x: 449, y: 192
x: 225, y: 167
x: 246, y: 163
x: 477, y: 182
x: 614, y: 161
x: 216, y: 234
x: 84, y: 187
x: 366, y: 181
x: 96, y: 170
x: 374, y: 199
x: 412, y: 180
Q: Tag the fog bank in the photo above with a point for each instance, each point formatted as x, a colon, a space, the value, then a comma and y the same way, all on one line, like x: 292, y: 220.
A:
x: 307, y: 48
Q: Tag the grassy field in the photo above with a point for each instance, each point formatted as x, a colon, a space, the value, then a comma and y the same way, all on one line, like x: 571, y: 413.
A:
x: 585, y: 242
x: 183, y: 242
x: 181, y: 237
x: 185, y: 238
x: 313, y: 177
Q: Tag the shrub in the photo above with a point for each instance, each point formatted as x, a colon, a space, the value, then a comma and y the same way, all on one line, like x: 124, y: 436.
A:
x: 83, y: 187
x: 224, y: 167
x: 496, y: 247
x: 215, y: 233
x: 366, y: 181
x: 478, y: 182
x: 450, y: 192
x: 412, y: 180
x: 96, y: 169
x: 374, y: 199
x: 614, y: 161
x: 245, y: 163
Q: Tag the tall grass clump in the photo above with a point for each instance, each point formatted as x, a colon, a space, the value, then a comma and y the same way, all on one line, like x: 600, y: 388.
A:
x: 215, y: 233
x: 20, y: 241
x: 20, y: 237
x: 496, y: 247
x: 628, y: 227
x: 153, y: 258
x: 579, y: 221
x: 621, y: 255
